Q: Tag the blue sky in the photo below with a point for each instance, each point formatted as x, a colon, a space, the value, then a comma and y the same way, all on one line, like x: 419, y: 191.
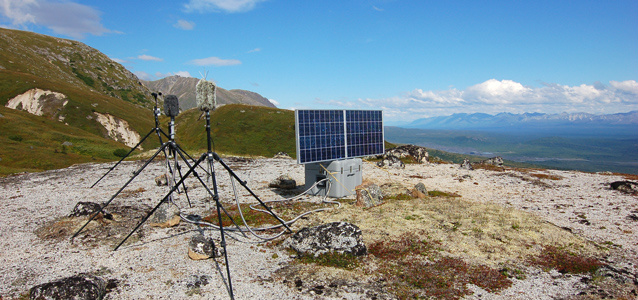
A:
x: 412, y: 59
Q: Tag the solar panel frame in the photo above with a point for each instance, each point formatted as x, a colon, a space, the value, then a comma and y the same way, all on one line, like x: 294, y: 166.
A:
x: 330, y: 134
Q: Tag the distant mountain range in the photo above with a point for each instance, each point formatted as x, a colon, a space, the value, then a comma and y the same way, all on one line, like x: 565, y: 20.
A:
x: 564, y: 123
x: 184, y: 89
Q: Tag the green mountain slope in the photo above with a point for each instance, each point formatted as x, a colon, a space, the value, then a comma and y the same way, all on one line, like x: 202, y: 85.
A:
x: 91, y: 85
x: 71, y: 62
x: 239, y: 130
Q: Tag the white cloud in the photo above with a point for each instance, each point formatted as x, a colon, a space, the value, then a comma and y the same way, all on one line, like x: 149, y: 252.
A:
x: 496, y: 96
x: 254, y: 50
x: 629, y: 86
x: 149, y: 58
x: 231, y: 6
x: 144, y: 76
x: 62, y: 17
x: 215, y: 61
x: 274, y: 102
x: 185, y: 25
x: 117, y: 60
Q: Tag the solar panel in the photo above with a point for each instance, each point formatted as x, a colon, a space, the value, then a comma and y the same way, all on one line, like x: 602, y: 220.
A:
x: 324, y: 135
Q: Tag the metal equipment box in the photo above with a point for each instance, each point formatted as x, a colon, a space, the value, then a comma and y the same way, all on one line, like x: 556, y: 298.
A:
x: 343, y: 176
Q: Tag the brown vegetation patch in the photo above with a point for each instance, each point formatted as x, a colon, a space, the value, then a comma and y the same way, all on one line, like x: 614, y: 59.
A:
x: 564, y: 261
x: 435, y: 247
x: 99, y: 231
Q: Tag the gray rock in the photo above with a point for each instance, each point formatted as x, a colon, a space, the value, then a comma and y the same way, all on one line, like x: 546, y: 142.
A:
x: 338, y: 237
x: 67, y: 143
x: 628, y: 187
x: 87, y: 209
x: 466, y: 165
x: 82, y: 286
x: 283, y: 182
x: 419, y: 154
x: 420, y: 187
x: 201, y: 247
x: 495, y: 161
x: 391, y: 161
x: 368, y: 195
x: 166, y: 215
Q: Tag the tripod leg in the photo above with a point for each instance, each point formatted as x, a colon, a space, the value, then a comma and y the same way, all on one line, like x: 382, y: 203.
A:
x: 179, y: 171
x: 243, y: 183
x: 119, y: 191
x: 221, y: 229
x: 211, y: 193
x: 125, y: 156
x: 160, y: 203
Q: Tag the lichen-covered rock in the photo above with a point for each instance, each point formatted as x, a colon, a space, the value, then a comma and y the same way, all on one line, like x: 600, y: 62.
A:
x: 466, y: 165
x: 391, y: 161
x: 88, y: 209
x: 166, y: 215
x: 201, y: 247
x: 368, y: 195
x: 628, y: 187
x: 85, y: 209
x: 495, y: 161
x: 421, y: 188
x: 82, y: 286
x: 338, y: 237
x: 419, y: 191
x: 283, y: 182
x: 419, y: 154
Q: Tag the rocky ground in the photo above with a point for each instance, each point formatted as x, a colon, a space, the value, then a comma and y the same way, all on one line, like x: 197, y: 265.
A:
x: 559, y: 207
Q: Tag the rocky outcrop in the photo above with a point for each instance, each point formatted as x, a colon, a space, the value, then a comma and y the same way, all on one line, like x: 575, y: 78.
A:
x: 82, y: 286
x: 628, y: 187
x: 338, y: 237
x: 466, y: 165
x: 494, y: 161
x: 391, y: 161
x: 39, y: 102
x: 118, y: 129
x: 418, y: 154
x: 395, y: 157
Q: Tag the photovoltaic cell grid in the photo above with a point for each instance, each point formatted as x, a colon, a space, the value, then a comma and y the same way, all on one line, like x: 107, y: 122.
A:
x: 324, y: 135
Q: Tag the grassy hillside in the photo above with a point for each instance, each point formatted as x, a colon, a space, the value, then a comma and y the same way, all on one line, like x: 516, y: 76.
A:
x: 240, y: 130
x: 32, y: 144
x: 70, y: 62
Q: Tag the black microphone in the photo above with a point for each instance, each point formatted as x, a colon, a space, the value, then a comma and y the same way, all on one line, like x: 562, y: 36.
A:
x: 171, y: 106
x: 206, y: 95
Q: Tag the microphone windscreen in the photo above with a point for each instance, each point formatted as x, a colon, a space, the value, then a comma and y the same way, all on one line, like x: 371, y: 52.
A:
x: 205, y: 95
x: 171, y: 106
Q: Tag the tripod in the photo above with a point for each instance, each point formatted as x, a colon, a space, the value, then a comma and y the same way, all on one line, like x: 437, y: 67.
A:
x: 208, y: 157
x: 157, y: 129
